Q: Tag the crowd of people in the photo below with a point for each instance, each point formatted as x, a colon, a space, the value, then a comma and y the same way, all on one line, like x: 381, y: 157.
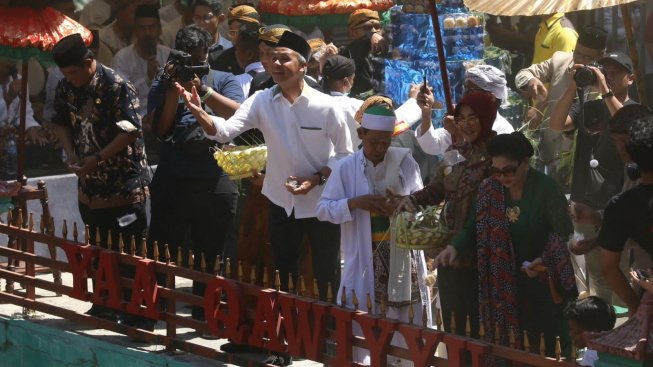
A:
x: 343, y: 163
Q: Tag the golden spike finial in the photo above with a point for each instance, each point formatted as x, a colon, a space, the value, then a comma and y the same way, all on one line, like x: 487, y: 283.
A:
x: 302, y: 286
x: 383, y: 307
x: 277, y: 280
x: 167, y: 255
x: 216, y: 267
x: 31, y: 221
x: 10, y: 218
x: 527, y: 345
x: 316, y: 290
x: 98, y: 239
x: 291, y: 284
x: 354, y: 299
x: 453, y: 322
x: 252, y: 275
x: 87, y: 235
x: 20, y: 218
x: 558, y: 349
x: 497, y: 334
x: 41, y: 225
x: 144, y: 244
x: 542, y: 345
x: 438, y: 319
x: 75, y: 232
x: 512, y: 337
x: 369, y: 303
x: 133, y: 245
x: 241, y: 276
x: 180, y: 257
x: 64, y: 229
x: 574, y: 353
x: 156, y: 251
x: 468, y: 328
x: 191, y: 259
x: 425, y: 318
x: 109, y: 240
x: 411, y: 314
x: 266, y: 280
x: 203, y: 263
x: 52, y: 225
x: 228, y: 268
x: 481, y: 331
x: 343, y: 298
x: 121, y: 244
x: 329, y: 292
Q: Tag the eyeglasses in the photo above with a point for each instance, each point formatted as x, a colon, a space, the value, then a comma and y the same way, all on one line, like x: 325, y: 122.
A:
x: 471, y: 121
x: 506, y: 171
x: 206, y: 19
x: 368, y: 27
x: 585, y: 57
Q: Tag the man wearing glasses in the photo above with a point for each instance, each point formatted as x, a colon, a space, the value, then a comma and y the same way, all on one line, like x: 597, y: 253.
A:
x: 547, y: 81
x: 225, y: 60
x: 365, y: 33
x: 598, y: 172
x: 208, y: 15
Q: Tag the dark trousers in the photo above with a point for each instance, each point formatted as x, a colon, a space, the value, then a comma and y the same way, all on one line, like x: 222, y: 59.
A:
x: 286, y: 236
x: 108, y: 219
x: 194, y: 214
x: 458, y: 289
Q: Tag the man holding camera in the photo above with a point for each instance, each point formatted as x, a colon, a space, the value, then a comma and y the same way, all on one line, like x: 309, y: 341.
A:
x: 598, y: 172
x: 192, y: 198
x: 547, y: 81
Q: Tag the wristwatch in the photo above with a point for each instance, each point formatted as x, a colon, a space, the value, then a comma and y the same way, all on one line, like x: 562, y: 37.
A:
x: 322, y: 177
x: 608, y: 95
x: 98, y: 156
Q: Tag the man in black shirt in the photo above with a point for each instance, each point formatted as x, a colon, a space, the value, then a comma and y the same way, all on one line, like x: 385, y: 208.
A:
x: 598, y: 171
x: 629, y: 215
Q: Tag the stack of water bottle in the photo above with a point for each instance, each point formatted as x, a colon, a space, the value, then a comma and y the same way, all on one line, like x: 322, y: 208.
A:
x: 414, y: 50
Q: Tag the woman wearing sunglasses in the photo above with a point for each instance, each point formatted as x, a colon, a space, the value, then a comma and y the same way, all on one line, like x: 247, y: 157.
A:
x: 466, y: 165
x: 518, y: 230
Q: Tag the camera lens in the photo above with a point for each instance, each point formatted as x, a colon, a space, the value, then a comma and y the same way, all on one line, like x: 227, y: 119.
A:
x: 584, y: 77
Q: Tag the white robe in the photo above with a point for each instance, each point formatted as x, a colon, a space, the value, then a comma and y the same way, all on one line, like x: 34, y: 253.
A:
x: 348, y: 181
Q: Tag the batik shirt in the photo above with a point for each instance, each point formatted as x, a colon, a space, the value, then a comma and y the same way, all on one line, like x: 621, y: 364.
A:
x: 95, y: 115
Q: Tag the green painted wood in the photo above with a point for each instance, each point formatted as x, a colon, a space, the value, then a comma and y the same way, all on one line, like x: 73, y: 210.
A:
x: 27, y: 344
x: 609, y: 360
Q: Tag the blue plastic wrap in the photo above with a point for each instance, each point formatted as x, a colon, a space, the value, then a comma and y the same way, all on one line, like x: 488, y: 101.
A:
x: 451, y: 6
x: 413, y: 37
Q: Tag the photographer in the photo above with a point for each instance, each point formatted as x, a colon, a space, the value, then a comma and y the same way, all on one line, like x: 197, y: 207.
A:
x: 598, y: 172
x: 192, y: 198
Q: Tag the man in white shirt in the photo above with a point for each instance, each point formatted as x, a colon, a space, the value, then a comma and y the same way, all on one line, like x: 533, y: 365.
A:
x: 95, y: 13
x: 356, y: 198
x: 306, y: 136
x: 246, y: 47
x: 138, y: 62
x: 10, y: 85
x: 478, y: 79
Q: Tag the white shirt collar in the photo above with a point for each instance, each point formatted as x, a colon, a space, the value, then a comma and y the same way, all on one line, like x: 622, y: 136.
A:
x: 256, y: 66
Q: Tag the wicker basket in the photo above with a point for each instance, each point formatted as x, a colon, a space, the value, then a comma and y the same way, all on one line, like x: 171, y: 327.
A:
x: 424, y: 233
x: 238, y: 162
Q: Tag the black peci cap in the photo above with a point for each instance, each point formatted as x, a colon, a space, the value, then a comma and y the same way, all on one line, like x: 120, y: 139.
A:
x: 69, y: 51
x: 593, y: 37
x: 296, y: 43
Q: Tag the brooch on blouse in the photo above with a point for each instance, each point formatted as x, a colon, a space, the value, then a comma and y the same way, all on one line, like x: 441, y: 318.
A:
x: 513, y: 213
x: 448, y: 170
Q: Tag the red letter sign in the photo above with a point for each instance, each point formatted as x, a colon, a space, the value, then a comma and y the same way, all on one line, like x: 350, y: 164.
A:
x: 217, y: 318
x: 145, y: 290
x: 107, y: 281
x: 304, y: 323
x: 80, y: 259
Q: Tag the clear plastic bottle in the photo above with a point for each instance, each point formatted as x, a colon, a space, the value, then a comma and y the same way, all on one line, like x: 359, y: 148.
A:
x: 12, y: 156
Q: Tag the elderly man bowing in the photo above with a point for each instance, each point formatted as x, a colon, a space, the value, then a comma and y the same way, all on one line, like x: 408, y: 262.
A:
x: 355, y: 197
x: 306, y: 135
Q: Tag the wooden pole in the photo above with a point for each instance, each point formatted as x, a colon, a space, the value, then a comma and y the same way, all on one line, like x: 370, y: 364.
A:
x: 441, y: 58
x: 20, y: 172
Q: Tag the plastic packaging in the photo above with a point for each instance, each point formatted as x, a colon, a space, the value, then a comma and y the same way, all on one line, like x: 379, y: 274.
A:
x: 12, y: 156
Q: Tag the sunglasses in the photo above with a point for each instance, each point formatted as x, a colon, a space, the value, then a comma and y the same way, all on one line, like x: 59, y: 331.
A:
x: 507, y: 171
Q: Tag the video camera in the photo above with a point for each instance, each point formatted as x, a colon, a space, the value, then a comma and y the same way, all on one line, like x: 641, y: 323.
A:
x: 182, y: 70
x: 585, y: 76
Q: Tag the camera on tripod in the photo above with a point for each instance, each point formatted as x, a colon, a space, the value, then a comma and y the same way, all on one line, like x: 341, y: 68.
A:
x: 181, y: 68
x: 586, y: 76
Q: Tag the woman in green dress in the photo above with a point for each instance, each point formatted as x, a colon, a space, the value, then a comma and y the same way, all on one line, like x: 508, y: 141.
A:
x: 519, y: 228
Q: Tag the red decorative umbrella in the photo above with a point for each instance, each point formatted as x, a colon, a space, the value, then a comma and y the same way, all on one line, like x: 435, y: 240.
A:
x: 29, y: 31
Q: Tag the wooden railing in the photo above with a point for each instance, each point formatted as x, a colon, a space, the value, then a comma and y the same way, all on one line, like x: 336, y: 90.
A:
x: 252, y: 314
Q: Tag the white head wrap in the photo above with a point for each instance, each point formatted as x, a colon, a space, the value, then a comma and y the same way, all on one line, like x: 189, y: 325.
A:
x: 489, y: 79
x: 379, y: 118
